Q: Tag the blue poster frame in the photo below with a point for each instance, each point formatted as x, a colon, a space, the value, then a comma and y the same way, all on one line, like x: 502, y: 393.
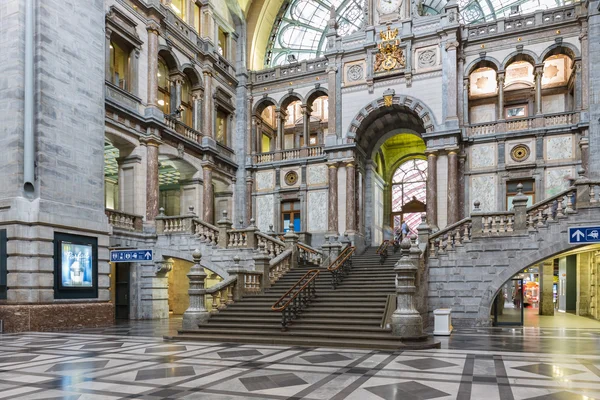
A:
x: 62, y: 291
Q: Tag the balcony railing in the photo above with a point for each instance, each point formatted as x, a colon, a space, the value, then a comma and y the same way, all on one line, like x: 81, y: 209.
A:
x: 287, y: 71
x: 290, y: 154
x: 124, y: 221
x: 523, y: 124
x: 182, y: 129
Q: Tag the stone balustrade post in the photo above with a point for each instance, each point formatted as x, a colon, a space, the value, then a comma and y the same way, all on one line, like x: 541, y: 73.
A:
x: 251, y: 235
x: 582, y: 185
x: 406, y: 320
x: 262, y: 265
x: 520, y: 207
x: 160, y: 223
x: 326, y: 253
x: 476, y: 221
x: 423, y: 232
x: 196, y: 314
x: 291, y: 242
x: 335, y: 248
x: 236, y: 270
x: 224, y: 225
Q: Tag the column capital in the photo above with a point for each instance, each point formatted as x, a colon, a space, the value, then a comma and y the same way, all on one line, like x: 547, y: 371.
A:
x: 451, y: 45
x: 153, y: 27
x: 108, y: 32
x: 333, y: 165
x: 207, y: 72
x: 208, y: 167
x: 331, y: 68
x: 350, y: 164
x: 431, y: 153
x: 452, y: 150
x: 153, y: 141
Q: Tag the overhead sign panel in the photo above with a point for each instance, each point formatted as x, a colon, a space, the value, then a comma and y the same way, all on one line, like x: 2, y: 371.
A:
x: 584, y: 234
x: 131, y: 255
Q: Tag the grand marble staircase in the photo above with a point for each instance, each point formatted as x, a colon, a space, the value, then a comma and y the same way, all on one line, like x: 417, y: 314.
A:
x: 349, y: 316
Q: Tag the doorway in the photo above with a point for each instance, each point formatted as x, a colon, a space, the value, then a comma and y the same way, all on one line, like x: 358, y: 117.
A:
x: 508, y: 306
x: 122, y: 290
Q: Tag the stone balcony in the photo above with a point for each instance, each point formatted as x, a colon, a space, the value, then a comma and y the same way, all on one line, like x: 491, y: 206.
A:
x: 523, y: 124
x: 289, y: 154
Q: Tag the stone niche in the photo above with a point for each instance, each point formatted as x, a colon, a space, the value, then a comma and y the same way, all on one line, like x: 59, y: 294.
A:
x: 54, y: 317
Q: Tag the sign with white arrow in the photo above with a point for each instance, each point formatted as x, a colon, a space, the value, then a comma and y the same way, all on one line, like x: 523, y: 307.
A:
x: 584, y: 234
x: 131, y: 255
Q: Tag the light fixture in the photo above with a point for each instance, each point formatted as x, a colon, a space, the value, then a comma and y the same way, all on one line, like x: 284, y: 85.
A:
x: 161, y: 102
x: 110, y: 45
x: 158, y: 74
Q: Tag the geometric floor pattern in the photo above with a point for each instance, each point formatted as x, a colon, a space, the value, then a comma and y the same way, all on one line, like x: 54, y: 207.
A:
x: 120, y: 365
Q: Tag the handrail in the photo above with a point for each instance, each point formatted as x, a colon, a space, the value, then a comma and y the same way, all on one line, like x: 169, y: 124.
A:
x: 309, y: 249
x: 341, y: 266
x: 298, y: 299
x: 450, y: 227
x: 308, y: 254
x: 551, y: 199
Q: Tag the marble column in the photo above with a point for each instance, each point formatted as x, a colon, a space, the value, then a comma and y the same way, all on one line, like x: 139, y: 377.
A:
x: 583, y: 38
x: 452, y: 100
x: 332, y: 98
x: 249, y: 189
x: 461, y: 186
x: 546, y: 285
x: 332, y: 224
x: 250, y: 124
x: 134, y: 62
x: 208, y: 122
x: 152, y: 29
x: 197, y: 98
x: 453, y: 186
x: 350, y: 198
x: 500, y: 80
x: 578, y: 85
x: 107, y: 35
x: 176, y: 103
x: 152, y: 188
x: 208, y: 212
x: 432, y: 190
x: 306, y: 124
x: 280, y: 118
x: 537, y: 73
x: 584, y: 145
x: 257, y: 135
x: 466, y: 88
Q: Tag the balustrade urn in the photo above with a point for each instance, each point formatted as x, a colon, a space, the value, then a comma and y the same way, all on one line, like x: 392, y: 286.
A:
x: 196, y: 314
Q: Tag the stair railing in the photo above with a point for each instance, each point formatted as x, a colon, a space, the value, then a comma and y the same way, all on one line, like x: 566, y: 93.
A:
x: 340, y: 267
x: 382, y: 250
x: 221, y: 294
x: 297, y: 298
x: 279, y: 265
x: 307, y: 254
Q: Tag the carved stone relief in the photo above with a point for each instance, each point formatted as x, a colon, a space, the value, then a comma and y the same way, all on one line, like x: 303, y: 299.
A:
x: 559, y: 148
x: 316, y: 174
x: 264, y: 212
x: 265, y: 180
x: 317, y: 211
x: 483, y: 156
x: 483, y: 189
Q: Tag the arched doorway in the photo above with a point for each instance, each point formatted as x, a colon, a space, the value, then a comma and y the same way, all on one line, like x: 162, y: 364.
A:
x: 408, y: 194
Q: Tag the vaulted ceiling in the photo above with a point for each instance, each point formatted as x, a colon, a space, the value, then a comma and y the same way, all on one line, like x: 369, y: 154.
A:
x: 260, y: 17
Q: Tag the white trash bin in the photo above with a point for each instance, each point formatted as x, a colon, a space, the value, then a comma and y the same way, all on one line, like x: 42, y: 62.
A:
x: 442, y: 323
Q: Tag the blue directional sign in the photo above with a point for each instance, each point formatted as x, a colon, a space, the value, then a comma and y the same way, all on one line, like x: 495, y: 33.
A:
x: 130, y: 255
x: 584, y: 234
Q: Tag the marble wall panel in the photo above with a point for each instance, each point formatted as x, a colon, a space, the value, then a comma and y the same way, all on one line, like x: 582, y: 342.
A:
x: 482, y: 113
x: 483, y: 189
x: 557, y: 180
x: 559, y: 148
x: 553, y: 104
x: 264, y: 212
x: 316, y: 174
x: 317, y: 210
x: 265, y: 180
x: 509, y: 146
x: 483, y: 155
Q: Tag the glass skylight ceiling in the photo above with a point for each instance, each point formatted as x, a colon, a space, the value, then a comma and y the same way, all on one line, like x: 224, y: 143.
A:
x: 300, y: 28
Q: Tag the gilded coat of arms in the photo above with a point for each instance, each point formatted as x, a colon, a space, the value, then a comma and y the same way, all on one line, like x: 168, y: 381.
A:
x: 390, y: 55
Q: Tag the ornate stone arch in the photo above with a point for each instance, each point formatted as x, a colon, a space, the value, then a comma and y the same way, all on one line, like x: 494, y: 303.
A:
x: 170, y: 59
x: 192, y: 74
x: 414, y: 114
x: 485, y: 61
x: 263, y: 103
x: 520, y: 55
x: 289, y: 98
x: 561, y: 48
x: 314, y: 94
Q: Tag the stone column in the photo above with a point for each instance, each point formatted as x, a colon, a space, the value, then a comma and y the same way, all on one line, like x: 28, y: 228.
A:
x: 197, y: 122
x: 350, y: 198
x: 432, y: 190
x: 537, y: 73
x: 453, y: 186
x: 546, y: 285
x: 196, y: 314
x: 107, y: 35
x: 208, y: 211
x: 280, y: 118
x: 500, y: 80
x: 152, y: 29
x: 177, y: 82
x: 406, y: 320
x: 583, y: 38
x: 466, y: 88
x: 452, y: 84
x: 331, y: 138
x: 306, y: 124
x: 578, y: 85
x: 152, y: 189
x: 208, y: 121
x: 332, y: 225
x: 249, y: 189
x: 251, y: 124
x: 584, y: 145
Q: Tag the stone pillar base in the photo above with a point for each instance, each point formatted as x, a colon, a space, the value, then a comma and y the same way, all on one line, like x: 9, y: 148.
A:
x: 407, y: 326
x: 54, y: 317
x: 192, y: 319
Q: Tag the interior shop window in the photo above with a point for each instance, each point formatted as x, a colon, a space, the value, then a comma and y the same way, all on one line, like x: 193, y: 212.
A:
x: 516, y: 111
x: 164, y: 88
x: 119, y: 65
x: 528, y: 190
x: 290, y: 215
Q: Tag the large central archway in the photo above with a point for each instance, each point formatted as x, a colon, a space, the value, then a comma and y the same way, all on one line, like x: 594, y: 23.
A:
x: 390, y: 135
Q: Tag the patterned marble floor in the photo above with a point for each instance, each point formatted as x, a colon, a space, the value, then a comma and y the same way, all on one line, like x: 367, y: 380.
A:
x: 119, y: 365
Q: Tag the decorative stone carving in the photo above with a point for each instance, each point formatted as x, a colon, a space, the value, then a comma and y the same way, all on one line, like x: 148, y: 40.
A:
x: 316, y: 174
x: 483, y: 189
x: 427, y: 58
x: 520, y: 153
x: 291, y: 178
x: 559, y: 148
x: 265, y: 180
x: 390, y: 55
x: 557, y: 180
x: 355, y: 73
x: 264, y: 212
x: 483, y: 156
x: 317, y: 211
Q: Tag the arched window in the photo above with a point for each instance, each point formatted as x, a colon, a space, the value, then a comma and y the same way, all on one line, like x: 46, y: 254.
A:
x: 187, y: 104
x: 409, y: 193
x: 477, y: 11
x: 164, y: 89
x: 301, y: 30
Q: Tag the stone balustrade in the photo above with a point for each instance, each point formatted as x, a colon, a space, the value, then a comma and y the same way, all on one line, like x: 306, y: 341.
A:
x: 272, y: 247
x: 452, y: 236
x: 206, y: 232
x: 175, y: 224
x: 308, y: 254
x: 522, y: 124
x: 551, y: 209
x: 289, y: 154
x: 237, y: 239
x: 289, y: 70
x: 280, y: 265
x: 182, y: 129
x: 124, y: 221
x: 221, y: 294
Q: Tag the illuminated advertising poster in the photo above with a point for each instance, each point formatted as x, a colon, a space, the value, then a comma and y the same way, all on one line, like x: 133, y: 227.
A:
x: 76, y: 265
